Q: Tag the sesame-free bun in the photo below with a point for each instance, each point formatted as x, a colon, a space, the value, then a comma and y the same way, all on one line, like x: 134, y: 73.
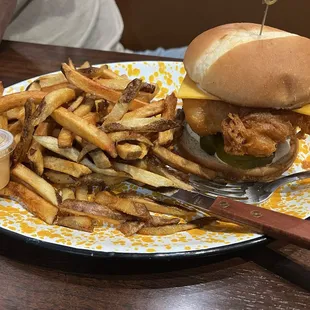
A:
x: 237, y: 65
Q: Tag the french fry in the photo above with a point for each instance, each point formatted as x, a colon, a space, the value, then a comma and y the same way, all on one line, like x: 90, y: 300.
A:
x: 100, y: 159
x: 52, y: 101
x: 3, y: 122
x: 83, y: 223
x: 16, y: 113
x: 149, y: 110
x: 129, y: 136
x: 123, y: 205
x: 57, y: 177
x: 166, y: 230
x: 15, y: 100
x: 159, y: 208
x: 65, y: 138
x: 150, y: 124
x: 162, y: 221
x: 131, y: 227
x: 86, y: 64
x: 81, y: 192
x: 51, y: 79
x: 43, y: 188
x: 31, y: 201
x: 24, y: 144
x: 65, y: 166
x: 92, y: 118
x: 169, y: 111
x: 181, y: 163
x: 85, y: 130
x: 71, y: 64
x: 92, y: 87
x: 119, y: 83
x: 34, y: 86
x: 84, y: 108
x: 122, y: 105
x: 98, y: 219
x: 15, y: 127
x: 128, y: 151
x: 144, y: 176
x: 67, y: 193
x: 157, y: 167
x: 51, y: 144
x: 93, y: 208
x: 17, y: 138
x: 85, y: 150
x: 98, y: 179
x: 76, y: 103
x: 58, y: 86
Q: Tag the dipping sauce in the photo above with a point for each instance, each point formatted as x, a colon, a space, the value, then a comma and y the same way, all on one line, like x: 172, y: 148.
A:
x: 6, y: 147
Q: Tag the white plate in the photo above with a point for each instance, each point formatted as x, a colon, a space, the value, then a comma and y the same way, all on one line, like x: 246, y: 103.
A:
x: 214, y: 239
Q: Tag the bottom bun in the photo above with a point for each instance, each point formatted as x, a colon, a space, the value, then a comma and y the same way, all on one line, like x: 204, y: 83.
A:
x: 189, y: 147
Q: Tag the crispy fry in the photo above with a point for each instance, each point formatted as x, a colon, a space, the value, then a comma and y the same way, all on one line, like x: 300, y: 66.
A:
x: 52, y: 101
x: 35, y: 158
x: 129, y: 136
x: 122, y: 105
x: 92, y: 118
x: 93, y: 208
x: 76, y: 103
x: 85, y: 107
x: 144, y: 176
x: 65, y: 138
x: 131, y: 227
x: 12, y: 101
x: 129, y: 151
x: 42, y: 187
x: 17, y: 138
x: 15, y: 127
x: 98, y: 219
x: 16, y: 113
x: 51, y: 144
x: 23, y: 146
x: 90, y: 86
x: 67, y: 193
x: 150, y: 124
x: 82, y: 128
x: 3, y: 122
x: 166, y: 137
x: 71, y: 64
x: 85, y: 150
x: 83, y: 223
x: 121, y: 83
x: 86, y: 64
x: 165, y: 230
x: 157, y: 167
x: 57, y: 177
x: 34, y: 86
x: 99, y: 179
x: 31, y: 201
x: 151, y: 109
x: 65, y: 166
x: 163, y: 221
x: 159, y: 208
x: 100, y: 159
x: 51, y: 79
x: 181, y: 163
x: 81, y: 192
x: 124, y: 205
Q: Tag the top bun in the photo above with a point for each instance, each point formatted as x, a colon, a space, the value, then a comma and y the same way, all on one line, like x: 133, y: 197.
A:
x: 237, y: 65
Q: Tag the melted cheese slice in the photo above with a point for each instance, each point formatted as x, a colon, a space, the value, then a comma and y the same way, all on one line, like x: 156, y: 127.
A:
x: 189, y: 90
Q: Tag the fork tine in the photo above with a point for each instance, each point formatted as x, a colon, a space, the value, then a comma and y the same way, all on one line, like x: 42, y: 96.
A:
x: 219, y: 185
x: 223, y: 190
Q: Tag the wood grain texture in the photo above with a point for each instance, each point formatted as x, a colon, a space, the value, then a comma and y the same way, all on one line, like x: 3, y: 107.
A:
x: 265, y: 277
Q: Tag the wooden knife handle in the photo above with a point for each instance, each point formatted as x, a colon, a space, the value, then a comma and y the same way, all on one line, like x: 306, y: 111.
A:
x: 274, y: 224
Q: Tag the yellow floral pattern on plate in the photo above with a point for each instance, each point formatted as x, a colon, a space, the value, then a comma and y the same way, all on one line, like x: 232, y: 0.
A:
x: 293, y: 199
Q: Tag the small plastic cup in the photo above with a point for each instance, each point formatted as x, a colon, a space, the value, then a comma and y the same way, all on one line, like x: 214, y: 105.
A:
x: 7, y: 146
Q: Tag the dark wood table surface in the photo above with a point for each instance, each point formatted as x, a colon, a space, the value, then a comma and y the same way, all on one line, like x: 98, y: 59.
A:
x: 269, y: 276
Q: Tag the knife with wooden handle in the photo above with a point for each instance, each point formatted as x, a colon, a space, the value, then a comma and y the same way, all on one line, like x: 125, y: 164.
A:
x: 273, y: 224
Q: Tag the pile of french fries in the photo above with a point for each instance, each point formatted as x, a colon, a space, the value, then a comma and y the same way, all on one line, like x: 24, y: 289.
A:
x: 80, y: 132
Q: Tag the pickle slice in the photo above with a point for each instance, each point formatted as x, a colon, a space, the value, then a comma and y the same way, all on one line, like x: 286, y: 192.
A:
x: 214, y: 144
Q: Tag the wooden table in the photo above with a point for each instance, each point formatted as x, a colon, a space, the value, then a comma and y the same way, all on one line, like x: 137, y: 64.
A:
x: 274, y: 276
